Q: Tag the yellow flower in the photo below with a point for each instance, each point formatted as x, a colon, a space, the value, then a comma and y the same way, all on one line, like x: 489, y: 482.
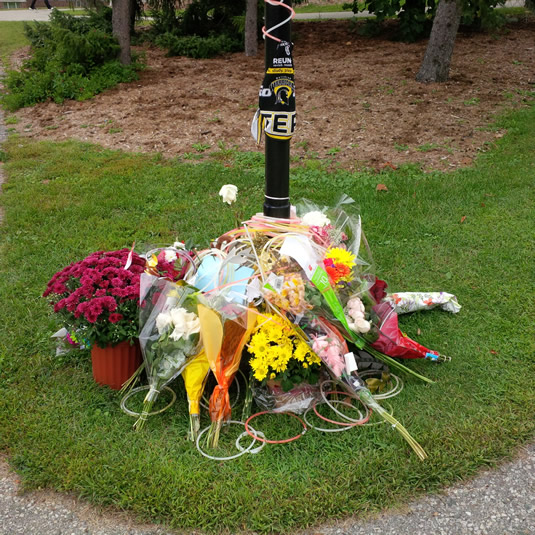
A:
x: 312, y: 358
x: 259, y: 343
x: 273, y: 347
x: 341, y: 256
x: 301, y: 351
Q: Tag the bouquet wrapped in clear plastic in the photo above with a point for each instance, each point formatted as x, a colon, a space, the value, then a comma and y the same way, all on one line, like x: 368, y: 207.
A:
x: 331, y: 347
x: 285, y: 369
x: 169, y: 337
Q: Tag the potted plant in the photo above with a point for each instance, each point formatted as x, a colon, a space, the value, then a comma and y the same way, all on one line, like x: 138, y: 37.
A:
x: 98, y: 299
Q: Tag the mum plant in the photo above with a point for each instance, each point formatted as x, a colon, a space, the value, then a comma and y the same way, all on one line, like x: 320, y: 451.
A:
x: 279, y: 354
x: 98, y: 297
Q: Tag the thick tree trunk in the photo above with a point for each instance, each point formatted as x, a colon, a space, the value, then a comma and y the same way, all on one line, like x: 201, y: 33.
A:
x: 436, y: 63
x: 251, y: 31
x: 121, y: 28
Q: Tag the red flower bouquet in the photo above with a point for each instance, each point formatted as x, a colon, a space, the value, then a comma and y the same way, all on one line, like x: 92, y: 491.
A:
x: 98, y: 297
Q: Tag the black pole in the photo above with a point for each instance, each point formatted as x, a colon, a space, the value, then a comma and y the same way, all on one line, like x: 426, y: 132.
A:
x: 277, y: 151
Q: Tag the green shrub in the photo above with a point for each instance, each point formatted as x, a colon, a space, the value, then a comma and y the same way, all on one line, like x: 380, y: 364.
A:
x: 72, y: 58
x: 194, y: 46
x: 30, y: 86
x: 415, y: 17
x: 203, y: 29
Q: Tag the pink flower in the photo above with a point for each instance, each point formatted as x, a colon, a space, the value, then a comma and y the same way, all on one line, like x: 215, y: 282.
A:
x: 81, y: 290
x: 330, y: 352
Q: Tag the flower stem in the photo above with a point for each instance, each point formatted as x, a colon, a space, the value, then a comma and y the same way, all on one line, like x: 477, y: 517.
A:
x: 366, y: 397
x: 129, y: 383
x: 213, y: 434
x: 194, y: 427
x: 148, y: 402
x: 395, y: 364
x: 246, y: 412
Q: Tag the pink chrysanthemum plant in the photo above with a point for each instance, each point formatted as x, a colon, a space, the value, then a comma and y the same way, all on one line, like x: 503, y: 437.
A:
x: 98, y: 297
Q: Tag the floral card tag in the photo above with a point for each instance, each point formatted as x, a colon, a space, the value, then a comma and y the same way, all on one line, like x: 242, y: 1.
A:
x: 300, y: 250
x: 351, y: 363
x: 274, y: 283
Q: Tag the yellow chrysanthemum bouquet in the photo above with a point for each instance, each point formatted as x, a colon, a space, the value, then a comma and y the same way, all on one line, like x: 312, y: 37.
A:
x: 277, y: 353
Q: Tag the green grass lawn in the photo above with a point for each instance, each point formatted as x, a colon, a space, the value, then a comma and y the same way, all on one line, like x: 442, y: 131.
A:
x: 469, y: 232
x: 11, y: 38
x: 315, y: 8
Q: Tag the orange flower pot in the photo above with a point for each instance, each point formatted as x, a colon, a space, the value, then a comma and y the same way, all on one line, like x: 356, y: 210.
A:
x: 113, y: 365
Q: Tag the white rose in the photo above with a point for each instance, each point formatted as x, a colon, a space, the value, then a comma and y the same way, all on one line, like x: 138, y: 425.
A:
x: 355, y: 304
x: 355, y: 313
x: 229, y: 193
x: 362, y: 326
x: 356, y: 307
x: 315, y: 219
x: 170, y: 255
x: 186, y: 323
x: 179, y: 245
x: 163, y: 320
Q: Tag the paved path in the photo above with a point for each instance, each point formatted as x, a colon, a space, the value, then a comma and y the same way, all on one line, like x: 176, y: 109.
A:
x: 43, y: 15
x: 498, y: 502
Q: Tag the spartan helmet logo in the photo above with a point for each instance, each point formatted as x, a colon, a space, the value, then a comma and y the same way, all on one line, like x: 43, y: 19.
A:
x: 286, y: 45
x: 283, y: 89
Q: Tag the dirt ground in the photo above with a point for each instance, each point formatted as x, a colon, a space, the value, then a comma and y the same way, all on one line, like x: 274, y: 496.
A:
x: 357, y: 100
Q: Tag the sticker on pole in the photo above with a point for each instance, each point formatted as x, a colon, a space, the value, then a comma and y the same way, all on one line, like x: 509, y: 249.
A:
x: 276, y: 98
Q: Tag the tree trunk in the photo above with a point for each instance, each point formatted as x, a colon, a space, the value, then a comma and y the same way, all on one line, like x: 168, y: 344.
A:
x: 251, y: 30
x: 436, y: 63
x: 121, y: 28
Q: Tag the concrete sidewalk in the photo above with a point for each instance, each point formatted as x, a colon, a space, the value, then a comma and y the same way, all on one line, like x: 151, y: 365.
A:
x: 28, y: 15
x: 42, y: 15
x: 498, y: 502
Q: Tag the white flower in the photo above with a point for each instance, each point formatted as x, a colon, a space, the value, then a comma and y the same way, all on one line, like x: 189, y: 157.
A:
x: 315, y: 219
x: 170, y: 255
x: 186, y: 323
x: 355, y: 315
x: 356, y: 306
x: 361, y: 325
x: 229, y: 193
x: 163, y: 320
x: 179, y: 245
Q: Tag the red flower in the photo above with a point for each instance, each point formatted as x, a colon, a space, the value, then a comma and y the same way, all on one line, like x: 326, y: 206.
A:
x: 81, y: 292
x: 336, y: 272
x: 377, y: 291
